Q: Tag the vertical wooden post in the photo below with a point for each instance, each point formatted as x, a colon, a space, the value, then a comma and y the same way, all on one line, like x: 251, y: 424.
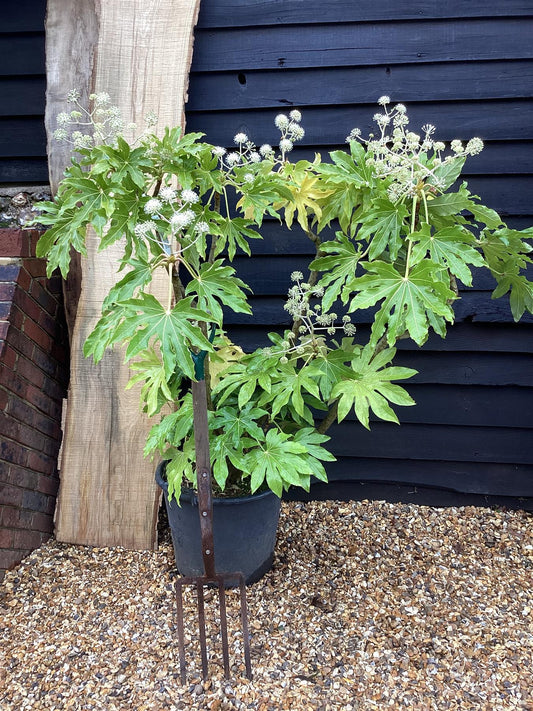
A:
x: 139, y: 52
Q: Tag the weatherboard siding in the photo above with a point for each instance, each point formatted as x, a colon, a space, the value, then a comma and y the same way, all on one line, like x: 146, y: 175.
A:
x: 467, y: 68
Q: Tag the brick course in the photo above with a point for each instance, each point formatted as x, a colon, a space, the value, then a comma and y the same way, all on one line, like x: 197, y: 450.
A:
x: 33, y: 381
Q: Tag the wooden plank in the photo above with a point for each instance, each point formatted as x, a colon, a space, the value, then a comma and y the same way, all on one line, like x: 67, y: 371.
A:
x: 469, y: 477
x: 21, y: 54
x: 23, y: 16
x: 107, y: 492
x: 352, y: 44
x: 22, y: 96
x: 280, y: 89
x: 242, y: 13
x: 433, y: 442
x: 507, y: 120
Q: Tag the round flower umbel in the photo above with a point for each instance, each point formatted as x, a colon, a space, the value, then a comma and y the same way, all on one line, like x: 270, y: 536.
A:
x: 310, y: 321
x: 409, y: 159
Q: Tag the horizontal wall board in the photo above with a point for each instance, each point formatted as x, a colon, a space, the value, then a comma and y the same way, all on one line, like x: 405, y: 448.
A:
x: 32, y: 171
x: 468, y: 477
x: 437, y: 442
x: 22, y: 96
x: 475, y: 337
x: 350, y: 44
x: 268, y: 311
x: 506, y: 120
x: 21, y: 54
x: 281, y: 88
x: 23, y: 16
x: 469, y: 368
x: 22, y: 136
x: 472, y: 406
x: 242, y: 13
x: 270, y: 275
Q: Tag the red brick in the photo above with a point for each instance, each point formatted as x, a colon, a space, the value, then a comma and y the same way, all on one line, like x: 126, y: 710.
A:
x: 40, y: 462
x: 7, y: 538
x: 20, y: 432
x: 26, y: 304
x: 22, y: 477
x: 4, y: 400
x: 10, y: 495
x: 9, y: 357
x: 43, y: 522
x: 9, y: 559
x: 24, y: 539
x: 35, y: 501
x: 13, y: 243
x: 37, y: 335
x: 48, y: 485
x: 42, y: 297
x: 29, y: 370
x: 17, y: 317
x: 11, y: 517
x: 20, y: 342
x: 13, y: 453
x: 35, y: 267
x: 24, y: 280
x: 4, y: 330
x: 41, y: 358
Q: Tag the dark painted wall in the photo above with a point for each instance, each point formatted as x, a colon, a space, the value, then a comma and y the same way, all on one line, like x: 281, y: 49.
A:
x: 22, y: 93
x: 465, y: 67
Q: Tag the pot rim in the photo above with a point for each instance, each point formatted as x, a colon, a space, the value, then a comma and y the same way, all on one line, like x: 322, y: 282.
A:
x: 189, y: 495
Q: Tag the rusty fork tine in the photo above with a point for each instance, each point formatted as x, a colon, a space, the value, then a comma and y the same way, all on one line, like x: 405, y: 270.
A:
x: 181, y: 633
x: 244, y: 622
x: 201, y: 627
x: 223, y: 627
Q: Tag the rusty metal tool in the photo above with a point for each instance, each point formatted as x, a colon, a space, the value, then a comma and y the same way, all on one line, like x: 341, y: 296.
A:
x: 211, y: 577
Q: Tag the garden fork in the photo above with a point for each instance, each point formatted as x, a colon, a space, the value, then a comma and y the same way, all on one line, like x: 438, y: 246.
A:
x: 211, y: 577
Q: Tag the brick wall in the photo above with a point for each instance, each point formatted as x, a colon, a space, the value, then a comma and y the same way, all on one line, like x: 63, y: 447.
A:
x: 33, y: 381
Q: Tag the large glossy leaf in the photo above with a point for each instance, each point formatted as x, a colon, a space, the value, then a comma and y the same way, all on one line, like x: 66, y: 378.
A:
x: 408, y: 302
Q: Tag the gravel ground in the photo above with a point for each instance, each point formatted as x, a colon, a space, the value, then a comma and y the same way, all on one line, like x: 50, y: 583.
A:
x: 369, y: 605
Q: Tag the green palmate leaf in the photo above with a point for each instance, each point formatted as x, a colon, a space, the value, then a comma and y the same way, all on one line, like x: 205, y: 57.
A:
x: 408, y: 301
x: 279, y: 461
x: 232, y: 233
x: 140, y: 275
x: 173, y: 429
x: 155, y: 391
x: 145, y: 321
x: 450, y: 203
x: 217, y: 285
x: 446, y: 174
x: 370, y: 387
x: 452, y: 247
x: 238, y: 423
x: 290, y: 389
x: 382, y: 228
x: 57, y: 243
x: 339, y: 264
x: 521, y: 296
x: 330, y: 369
x: 485, y: 215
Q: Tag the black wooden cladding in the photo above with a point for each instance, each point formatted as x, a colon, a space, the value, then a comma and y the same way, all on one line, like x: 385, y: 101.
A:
x: 22, y: 93
x: 465, y: 67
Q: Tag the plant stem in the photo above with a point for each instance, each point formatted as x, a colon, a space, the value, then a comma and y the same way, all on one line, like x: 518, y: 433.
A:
x: 413, y: 225
x: 329, y: 419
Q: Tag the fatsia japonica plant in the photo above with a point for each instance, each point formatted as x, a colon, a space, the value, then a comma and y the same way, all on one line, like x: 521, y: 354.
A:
x: 393, y: 232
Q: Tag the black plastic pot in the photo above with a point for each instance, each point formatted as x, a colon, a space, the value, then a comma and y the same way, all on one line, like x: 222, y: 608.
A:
x: 244, y: 531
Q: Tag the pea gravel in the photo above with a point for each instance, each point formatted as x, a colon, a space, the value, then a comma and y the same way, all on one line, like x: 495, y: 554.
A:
x: 370, y: 605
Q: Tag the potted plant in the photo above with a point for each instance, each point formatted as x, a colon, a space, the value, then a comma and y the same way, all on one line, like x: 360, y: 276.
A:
x: 404, y: 235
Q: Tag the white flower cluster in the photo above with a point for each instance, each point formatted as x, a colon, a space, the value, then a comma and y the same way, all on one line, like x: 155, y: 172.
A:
x: 290, y: 129
x: 406, y: 156
x: 102, y: 124
x: 311, y: 319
